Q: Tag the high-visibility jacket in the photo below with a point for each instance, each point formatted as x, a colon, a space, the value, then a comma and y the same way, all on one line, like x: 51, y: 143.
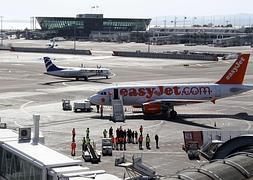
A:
x: 73, y: 145
x: 148, y: 139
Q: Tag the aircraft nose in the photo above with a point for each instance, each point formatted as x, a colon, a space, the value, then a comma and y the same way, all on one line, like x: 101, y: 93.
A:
x: 110, y: 73
x: 94, y: 99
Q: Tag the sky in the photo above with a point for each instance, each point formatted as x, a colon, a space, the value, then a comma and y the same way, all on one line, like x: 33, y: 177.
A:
x: 24, y: 9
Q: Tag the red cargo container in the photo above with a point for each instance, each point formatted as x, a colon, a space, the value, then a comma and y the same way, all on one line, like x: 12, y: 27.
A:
x: 192, y: 137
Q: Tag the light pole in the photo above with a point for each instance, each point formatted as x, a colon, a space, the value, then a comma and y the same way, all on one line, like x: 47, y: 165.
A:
x: 193, y: 21
x: 94, y: 7
x: 149, y: 45
x: 75, y: 35
x: 175, y: 21
x: 165, y: 22
x: 1, y: 30
x: 184, y: 21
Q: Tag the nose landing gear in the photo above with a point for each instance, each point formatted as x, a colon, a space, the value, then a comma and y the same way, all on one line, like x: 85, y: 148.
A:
x: 173, y: 114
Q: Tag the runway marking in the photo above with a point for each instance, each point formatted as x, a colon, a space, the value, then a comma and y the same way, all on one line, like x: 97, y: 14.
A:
x: 15, y: 122
x: 22, y: 109
x: 245, y: 108
x: 64, y: 84
x: 249, y: 126
x: 23, y: 106
x: 113, y: 75
x: 154, y: 125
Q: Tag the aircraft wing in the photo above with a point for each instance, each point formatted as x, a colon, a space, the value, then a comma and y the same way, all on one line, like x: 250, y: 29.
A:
x: 176, y: 102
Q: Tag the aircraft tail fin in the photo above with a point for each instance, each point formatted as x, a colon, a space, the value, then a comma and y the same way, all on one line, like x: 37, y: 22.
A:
x: 236, y: 73
x: 50, y: 66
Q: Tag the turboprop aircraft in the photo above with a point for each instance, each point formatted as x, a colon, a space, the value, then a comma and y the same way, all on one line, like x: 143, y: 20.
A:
x: 161, y: 98
x: 75, y: 72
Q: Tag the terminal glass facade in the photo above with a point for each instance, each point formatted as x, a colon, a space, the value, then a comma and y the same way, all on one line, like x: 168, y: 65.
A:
x: 82, y: 27
x: 13, y: 167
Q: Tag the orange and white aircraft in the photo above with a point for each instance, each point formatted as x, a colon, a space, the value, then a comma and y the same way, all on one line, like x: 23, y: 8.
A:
x: 157, y: 99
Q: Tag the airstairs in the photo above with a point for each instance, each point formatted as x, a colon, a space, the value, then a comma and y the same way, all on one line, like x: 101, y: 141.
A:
x: 118, y: 110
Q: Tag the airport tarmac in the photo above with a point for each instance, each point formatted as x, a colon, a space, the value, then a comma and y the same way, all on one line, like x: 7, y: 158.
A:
x: 25, y: 91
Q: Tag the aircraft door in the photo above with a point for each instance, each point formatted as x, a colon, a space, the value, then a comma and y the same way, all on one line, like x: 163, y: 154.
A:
x: 115, y: 93
x: 217, y: 91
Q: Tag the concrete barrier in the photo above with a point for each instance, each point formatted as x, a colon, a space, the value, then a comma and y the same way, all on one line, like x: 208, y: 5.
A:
x: 167, y: 55
x: 51, y: 50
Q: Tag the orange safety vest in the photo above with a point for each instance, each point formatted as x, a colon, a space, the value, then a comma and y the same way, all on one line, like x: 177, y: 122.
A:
x: 140, y: 139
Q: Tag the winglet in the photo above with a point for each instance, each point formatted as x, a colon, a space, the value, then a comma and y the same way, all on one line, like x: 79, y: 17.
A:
x: 236, y: 73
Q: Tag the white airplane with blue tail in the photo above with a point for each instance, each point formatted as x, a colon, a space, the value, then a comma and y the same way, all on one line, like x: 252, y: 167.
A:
x: 75, y: 72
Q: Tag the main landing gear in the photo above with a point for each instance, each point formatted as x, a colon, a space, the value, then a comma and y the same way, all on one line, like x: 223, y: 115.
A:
x: 169, y: 110
x: 85, y: 78
x: 173, y: 114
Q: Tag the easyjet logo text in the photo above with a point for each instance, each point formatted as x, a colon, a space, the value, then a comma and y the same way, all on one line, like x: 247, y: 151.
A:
x: 149, y: 92
x: 235, y: 68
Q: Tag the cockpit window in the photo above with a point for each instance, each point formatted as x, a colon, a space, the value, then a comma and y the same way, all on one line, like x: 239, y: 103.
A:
x: 102, y: 93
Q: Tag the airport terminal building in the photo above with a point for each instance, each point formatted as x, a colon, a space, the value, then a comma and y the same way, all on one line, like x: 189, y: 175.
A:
x: 85, y: 26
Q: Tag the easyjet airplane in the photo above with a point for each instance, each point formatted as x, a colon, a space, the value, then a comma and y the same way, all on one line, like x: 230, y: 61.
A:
x: 157, y: 99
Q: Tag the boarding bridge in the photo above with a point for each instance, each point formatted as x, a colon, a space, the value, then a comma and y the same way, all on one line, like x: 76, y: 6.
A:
x: 23, y: 157
x: 136, y: 169
x: 117, y: 107
x: 209, y: 149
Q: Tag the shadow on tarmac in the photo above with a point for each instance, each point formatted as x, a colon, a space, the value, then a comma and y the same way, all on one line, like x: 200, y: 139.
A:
x: 239, y: 116
x: 97, y: 80
x: 182, y: 118
x: 177, y: 120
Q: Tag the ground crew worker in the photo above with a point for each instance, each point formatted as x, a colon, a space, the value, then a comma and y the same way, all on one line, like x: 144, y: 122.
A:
x: 87, y: 133
x: 147, y: 142
x: 156, y: 141
x: 97, y: 108
x: 84, y: 146
x: 136, y: 137
x: 140, y: 140
x: 87, y: 141
x: 73, y: 148
x: 101, y: 110
x: 124, y: 139
x: 132, y: 136
x: 73, y: 134
x: 105, y: 133
x: 110, y: 132
x: 141, y: 129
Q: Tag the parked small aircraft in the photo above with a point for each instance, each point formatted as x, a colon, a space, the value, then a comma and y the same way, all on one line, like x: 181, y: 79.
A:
x: 75, y: 72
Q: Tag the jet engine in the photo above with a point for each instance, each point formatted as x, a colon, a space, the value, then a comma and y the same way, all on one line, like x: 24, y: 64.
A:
x: 151, y: 109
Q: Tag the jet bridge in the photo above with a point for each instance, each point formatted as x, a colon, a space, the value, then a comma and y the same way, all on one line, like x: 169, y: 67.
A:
x: 23, y: 157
